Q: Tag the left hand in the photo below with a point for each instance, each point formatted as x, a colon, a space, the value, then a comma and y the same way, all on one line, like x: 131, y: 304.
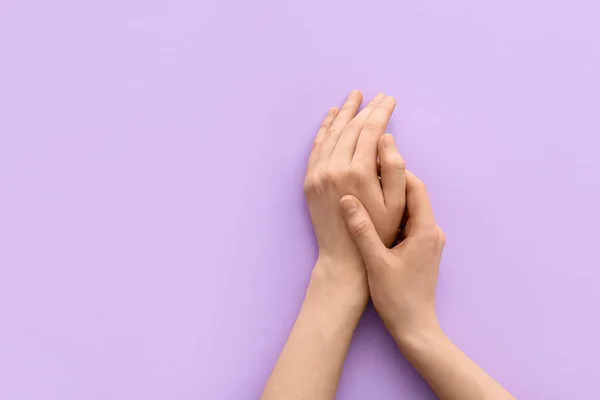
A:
x: 344, y: 162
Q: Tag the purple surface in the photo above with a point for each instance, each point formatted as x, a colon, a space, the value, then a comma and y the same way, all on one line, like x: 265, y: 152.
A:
x: 154, y: 240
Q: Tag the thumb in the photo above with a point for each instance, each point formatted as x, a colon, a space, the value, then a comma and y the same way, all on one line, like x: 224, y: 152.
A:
x: 361, y: 228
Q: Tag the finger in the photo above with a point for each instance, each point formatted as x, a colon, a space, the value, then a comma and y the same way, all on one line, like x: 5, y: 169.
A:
x: 373, y: 128
x: 362, y: 229
x: 418, y: 205
x: 325, y: 125
x: 332, y: 134
x: 345, y: 147
x: 393, y: 174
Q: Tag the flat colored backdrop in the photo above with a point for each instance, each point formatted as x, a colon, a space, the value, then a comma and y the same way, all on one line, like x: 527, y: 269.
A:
x: 154, y: 239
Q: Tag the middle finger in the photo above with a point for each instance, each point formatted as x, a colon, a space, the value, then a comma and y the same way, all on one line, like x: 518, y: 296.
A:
x: 347, y: 112
x: 373, y: 128
x: 345, y: 147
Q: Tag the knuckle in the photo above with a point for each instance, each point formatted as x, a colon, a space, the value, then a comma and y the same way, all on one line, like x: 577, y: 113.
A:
x: 372, y: 125
x: 357, y: 175
x: 433, y: 237
x: 428, y: 236
x: 310, y: 185
x: 396, y: 163
x: 315, y: 183
x: 315, y: 146
x: 330, y: 176
x: 331, y: 132
x: 352, y: 126
x: 360, y: 227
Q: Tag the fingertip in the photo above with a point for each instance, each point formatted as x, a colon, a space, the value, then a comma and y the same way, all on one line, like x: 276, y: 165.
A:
x: 387, y: 140
x: 387, y: 148
x: 355, y: 94
x: 389, y: 101
x: 376, y: 101
x: 379, y: 98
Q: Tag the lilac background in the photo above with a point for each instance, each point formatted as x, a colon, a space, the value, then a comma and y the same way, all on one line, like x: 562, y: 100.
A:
x: 154, y: 240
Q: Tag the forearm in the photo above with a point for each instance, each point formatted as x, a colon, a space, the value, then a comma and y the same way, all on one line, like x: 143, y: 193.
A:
x: 311, y: 362
x: 449, y: 372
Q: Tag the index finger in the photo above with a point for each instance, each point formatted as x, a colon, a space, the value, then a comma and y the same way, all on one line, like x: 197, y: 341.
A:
x: 372, y: 129
x: 418, y: 205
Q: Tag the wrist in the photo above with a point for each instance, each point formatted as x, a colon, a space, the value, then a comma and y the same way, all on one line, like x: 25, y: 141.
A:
x: 413, y: 336
x: 416, y: 344
x: 348, y: 292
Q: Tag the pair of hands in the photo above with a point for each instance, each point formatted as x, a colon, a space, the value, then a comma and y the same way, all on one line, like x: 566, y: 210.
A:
x: 359, y: 192
x: 376, y: 235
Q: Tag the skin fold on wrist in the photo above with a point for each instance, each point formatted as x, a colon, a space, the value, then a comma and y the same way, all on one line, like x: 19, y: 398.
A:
x: 426, y: 329
x: 412, y: 343
x: 349, y: 295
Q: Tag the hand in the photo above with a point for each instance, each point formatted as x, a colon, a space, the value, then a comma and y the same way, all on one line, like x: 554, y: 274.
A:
x: 401, y: 280
x: 344, y: 161
x: 402, y: 283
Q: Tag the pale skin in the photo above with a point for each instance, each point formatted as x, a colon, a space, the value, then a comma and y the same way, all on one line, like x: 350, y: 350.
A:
x: 358, y: 192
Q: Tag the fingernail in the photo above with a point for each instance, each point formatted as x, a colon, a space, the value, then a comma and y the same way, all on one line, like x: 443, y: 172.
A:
x: 349, y: 206
x: 389, y: 100
x: 355, y: 93
x: 379, y: 97
x: 388, y: 140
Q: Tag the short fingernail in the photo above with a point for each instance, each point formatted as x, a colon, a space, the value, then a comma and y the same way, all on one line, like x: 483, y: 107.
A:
x: 379, y: 97
x: 355, y: 93
x: 389, y: 100
x: 388, y: 140
x: 349, y: 206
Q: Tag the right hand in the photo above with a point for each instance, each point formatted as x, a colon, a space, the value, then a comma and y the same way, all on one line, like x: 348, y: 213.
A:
x: 402, y: 280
